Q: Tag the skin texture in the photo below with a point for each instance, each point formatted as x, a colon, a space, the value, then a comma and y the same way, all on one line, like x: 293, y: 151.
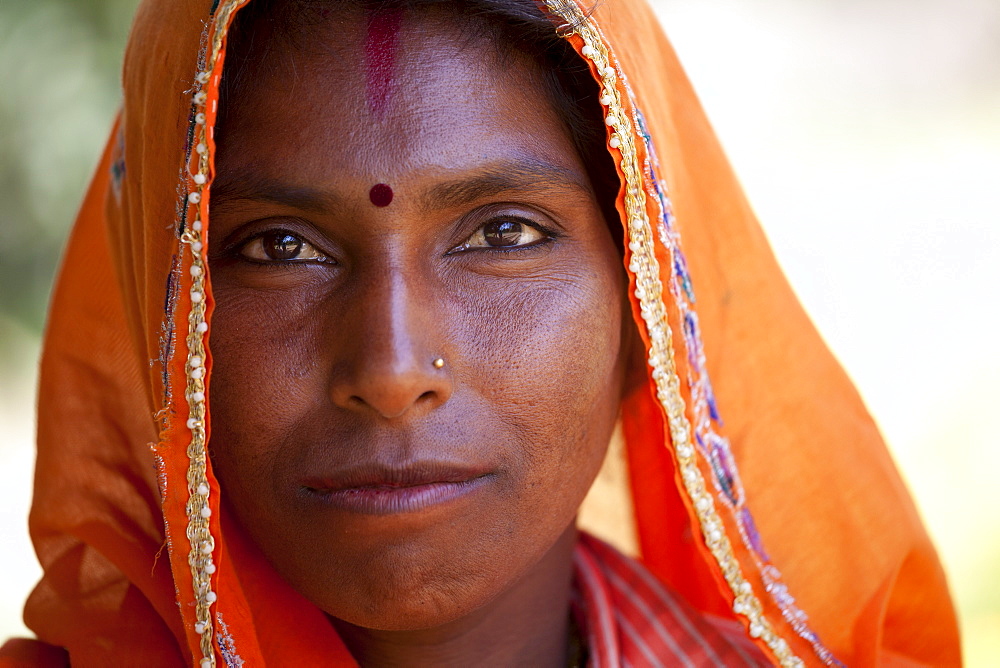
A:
x: 323, y: 360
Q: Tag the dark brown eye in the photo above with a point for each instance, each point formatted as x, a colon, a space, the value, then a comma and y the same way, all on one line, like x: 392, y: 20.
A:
x: 281, y: 246
x: 502, y: 232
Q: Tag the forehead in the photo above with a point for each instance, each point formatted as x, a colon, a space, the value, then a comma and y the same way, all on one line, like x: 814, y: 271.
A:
x: 367, y: 93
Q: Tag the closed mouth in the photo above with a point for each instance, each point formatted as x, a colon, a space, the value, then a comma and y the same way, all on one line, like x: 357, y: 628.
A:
x: 384, y: 490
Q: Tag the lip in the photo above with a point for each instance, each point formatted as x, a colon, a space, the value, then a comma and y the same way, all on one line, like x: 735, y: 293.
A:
x: 387, y: 490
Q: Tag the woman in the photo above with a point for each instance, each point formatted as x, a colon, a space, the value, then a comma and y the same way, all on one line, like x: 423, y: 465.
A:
x: 391, y: 267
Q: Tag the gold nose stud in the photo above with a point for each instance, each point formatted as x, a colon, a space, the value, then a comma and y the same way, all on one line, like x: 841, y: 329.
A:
x: 438, y: 363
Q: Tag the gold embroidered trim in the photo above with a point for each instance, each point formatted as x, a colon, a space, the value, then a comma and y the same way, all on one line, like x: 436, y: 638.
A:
x: 649, y: 291
x: 198, y: 510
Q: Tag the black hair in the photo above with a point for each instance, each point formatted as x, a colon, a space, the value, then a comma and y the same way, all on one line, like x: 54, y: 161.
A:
x: 512, y: 26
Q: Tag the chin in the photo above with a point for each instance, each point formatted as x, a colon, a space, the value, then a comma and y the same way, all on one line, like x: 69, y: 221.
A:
x: 422, y: 580
x: 407, y: 612
x: 392, y: 599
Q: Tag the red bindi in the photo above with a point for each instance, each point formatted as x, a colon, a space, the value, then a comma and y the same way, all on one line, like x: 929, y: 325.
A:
x: 380, y: 194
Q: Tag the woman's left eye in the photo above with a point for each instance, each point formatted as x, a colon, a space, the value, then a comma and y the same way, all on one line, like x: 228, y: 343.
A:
x: 502, y: 233
x: 280, y: 246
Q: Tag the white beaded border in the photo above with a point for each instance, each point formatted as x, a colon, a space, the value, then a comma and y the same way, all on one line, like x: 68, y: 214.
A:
x: 199, y: 513
x: 649, y: 291
x: 700, y: 386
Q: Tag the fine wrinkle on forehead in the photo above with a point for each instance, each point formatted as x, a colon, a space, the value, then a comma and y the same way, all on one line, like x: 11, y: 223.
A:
x: 381, y: 44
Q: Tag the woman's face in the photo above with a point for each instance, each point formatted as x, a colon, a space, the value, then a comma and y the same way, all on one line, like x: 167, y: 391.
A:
x: 392, y: 493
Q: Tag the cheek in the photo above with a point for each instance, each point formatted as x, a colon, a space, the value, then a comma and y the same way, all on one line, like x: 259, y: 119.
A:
x: 263, y: 377
x: 545, y: 355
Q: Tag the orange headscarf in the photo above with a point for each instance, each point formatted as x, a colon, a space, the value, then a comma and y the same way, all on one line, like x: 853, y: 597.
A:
x: 761, y: 489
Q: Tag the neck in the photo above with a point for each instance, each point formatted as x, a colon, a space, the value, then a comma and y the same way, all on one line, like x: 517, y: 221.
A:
x: 526, y: 625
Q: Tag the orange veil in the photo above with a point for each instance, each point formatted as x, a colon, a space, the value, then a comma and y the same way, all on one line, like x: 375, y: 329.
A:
x: 761, y: 488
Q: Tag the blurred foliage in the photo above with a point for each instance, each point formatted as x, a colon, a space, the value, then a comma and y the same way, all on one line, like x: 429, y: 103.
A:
x: 60, y: 81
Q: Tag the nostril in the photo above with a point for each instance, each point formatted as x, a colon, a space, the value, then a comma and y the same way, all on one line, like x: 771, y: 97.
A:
x: 388, y: 388
x: 390, y: 406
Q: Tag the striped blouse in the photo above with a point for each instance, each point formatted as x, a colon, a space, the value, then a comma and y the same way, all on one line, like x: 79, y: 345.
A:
x: 629, y: 618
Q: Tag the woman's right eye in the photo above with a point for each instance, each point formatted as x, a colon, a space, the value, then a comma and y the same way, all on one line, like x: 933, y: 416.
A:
x: 280, y: 246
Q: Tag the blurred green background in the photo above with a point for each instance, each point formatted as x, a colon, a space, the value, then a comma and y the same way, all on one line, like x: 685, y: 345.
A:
x: 60, y: 64
x: 866, y: 133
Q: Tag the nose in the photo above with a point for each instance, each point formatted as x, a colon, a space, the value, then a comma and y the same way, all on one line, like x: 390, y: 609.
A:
x: 390, y: 355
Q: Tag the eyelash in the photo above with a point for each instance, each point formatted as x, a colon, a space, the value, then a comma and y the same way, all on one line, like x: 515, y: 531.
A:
x: 549, y: 235
x: 235, y: 251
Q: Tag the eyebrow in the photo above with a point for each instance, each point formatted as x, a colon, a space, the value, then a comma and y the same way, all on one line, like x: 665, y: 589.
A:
x: 498, y: 178
x: 526, y: 175
x: 250, y: 185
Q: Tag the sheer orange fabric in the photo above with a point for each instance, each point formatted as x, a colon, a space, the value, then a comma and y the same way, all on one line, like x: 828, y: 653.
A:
x: 761, y: 488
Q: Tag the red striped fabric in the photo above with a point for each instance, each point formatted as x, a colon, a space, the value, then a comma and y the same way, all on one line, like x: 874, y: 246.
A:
x: 630, y: 619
